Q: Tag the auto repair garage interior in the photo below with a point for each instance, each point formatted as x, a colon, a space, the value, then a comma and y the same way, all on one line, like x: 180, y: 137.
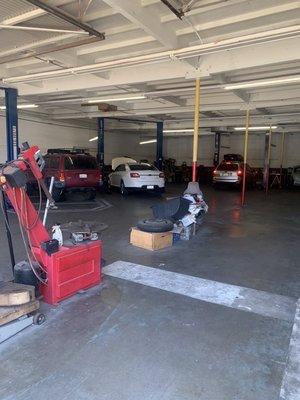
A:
x: 150, y: 173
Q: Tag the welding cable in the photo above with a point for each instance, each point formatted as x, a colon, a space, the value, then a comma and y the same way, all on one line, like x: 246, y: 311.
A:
x: 24, y: 241
x: 3, y: 212
x: 23, y: 207
x: 26, y: 246
x: 28, y: 234
x: 44, y: 281
x: 40, y: 200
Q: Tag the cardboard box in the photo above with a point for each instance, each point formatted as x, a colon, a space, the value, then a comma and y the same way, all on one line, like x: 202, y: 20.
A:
x: 151, y: 241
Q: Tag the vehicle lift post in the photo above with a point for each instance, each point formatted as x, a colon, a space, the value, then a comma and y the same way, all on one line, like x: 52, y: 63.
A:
x: 100, y: 144
x: 12, y: 148
x: 159, y: 144
x: 217, y: 148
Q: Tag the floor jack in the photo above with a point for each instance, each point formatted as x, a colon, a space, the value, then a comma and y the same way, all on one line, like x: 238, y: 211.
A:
x: 62, y: 270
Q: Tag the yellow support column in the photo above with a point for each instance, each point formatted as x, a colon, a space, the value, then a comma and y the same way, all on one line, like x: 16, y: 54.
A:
x: 196, y: 129
x: 268, y: 161
x: 281, y: 156
x: 245, y: 156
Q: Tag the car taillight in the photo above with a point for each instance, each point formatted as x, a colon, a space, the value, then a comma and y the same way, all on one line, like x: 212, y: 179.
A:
x: 240, y: 172
x: 134, y: 175
x: 161, y: 175
x: 215, y: 172
x: 62, y: 177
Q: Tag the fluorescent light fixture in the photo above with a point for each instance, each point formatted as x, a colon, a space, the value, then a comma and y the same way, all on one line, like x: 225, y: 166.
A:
x: 178, y: 130
x: 266, y: 82
x: 21, y: 106
x: 255, y: 128
x: 103, y: 100
x: 148, y: 141
x: 93, y: 139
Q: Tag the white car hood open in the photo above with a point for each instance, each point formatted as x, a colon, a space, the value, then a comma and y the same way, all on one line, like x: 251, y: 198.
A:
x: 115, y: 162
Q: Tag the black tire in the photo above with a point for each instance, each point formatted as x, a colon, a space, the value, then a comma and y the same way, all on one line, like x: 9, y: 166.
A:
x: 92, y: 195
x: 123, y: 190
x: 108, y: 187
x: 39, y: 319
x: 56, y: 194
x: 160, y: 191
x: 155, y: 225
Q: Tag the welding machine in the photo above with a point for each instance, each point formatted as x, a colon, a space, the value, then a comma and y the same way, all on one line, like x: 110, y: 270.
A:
x: 62, y: 270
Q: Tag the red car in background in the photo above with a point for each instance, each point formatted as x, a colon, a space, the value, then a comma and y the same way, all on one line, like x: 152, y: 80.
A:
x: 73, y: 172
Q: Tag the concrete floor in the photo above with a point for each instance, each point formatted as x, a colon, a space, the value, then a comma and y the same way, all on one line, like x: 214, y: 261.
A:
x: 129, y: 341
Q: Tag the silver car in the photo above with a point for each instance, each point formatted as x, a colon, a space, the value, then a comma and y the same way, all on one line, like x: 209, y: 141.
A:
x: 231, y: 172
x: 296, y: 175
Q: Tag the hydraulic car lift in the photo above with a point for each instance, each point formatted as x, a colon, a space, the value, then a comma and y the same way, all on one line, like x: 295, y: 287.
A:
x: 63, y: 270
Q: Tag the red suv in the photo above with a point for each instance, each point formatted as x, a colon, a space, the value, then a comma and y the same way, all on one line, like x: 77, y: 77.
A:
x: 73, y: 172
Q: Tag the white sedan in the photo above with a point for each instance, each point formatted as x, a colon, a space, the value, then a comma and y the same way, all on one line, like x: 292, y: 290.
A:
x: 129, y: 175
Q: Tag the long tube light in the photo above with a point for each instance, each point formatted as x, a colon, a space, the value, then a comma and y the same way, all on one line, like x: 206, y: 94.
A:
x: 139, y: 97
x: 266, y: 82
x: 255, y: 128
x: 21, y: 106
x: 178, y: 130
x: 93, y: 139
x: 148, y: 141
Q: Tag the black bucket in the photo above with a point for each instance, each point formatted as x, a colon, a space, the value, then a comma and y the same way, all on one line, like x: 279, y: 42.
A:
x: 23, y: 274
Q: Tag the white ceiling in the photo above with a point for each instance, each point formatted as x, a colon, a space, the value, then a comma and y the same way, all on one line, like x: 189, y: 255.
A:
x: 148, y: 50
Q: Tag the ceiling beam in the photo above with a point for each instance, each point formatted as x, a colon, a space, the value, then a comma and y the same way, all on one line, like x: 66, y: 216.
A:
x: 282, y: 52
x: 239, y: 14
x: 147, y: 20
x: 223, y: 79
x: 111, y: 44
x: 182, y: 110
x: 58, y: 12
x: 145, y: 88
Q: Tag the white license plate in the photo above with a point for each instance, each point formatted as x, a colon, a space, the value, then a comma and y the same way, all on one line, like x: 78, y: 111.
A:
x: 82, y: 175
x: 150, y: 187
x: 226, y: 174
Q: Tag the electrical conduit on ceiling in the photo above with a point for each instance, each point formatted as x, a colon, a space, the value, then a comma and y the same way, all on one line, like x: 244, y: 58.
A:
x: 179, y: 54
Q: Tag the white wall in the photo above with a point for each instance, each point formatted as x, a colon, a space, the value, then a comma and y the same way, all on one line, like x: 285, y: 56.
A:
x: 127, y: 144
x: 54, y: 134
x: 47, y: 134
x: 180, y: 148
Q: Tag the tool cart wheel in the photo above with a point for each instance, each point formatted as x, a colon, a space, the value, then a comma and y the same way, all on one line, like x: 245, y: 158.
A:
x: 39, y: 319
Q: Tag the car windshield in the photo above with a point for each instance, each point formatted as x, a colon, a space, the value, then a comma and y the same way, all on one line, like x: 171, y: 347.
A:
x: 80, y: 162
x: 228, y: 166
x: 141, y: 167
